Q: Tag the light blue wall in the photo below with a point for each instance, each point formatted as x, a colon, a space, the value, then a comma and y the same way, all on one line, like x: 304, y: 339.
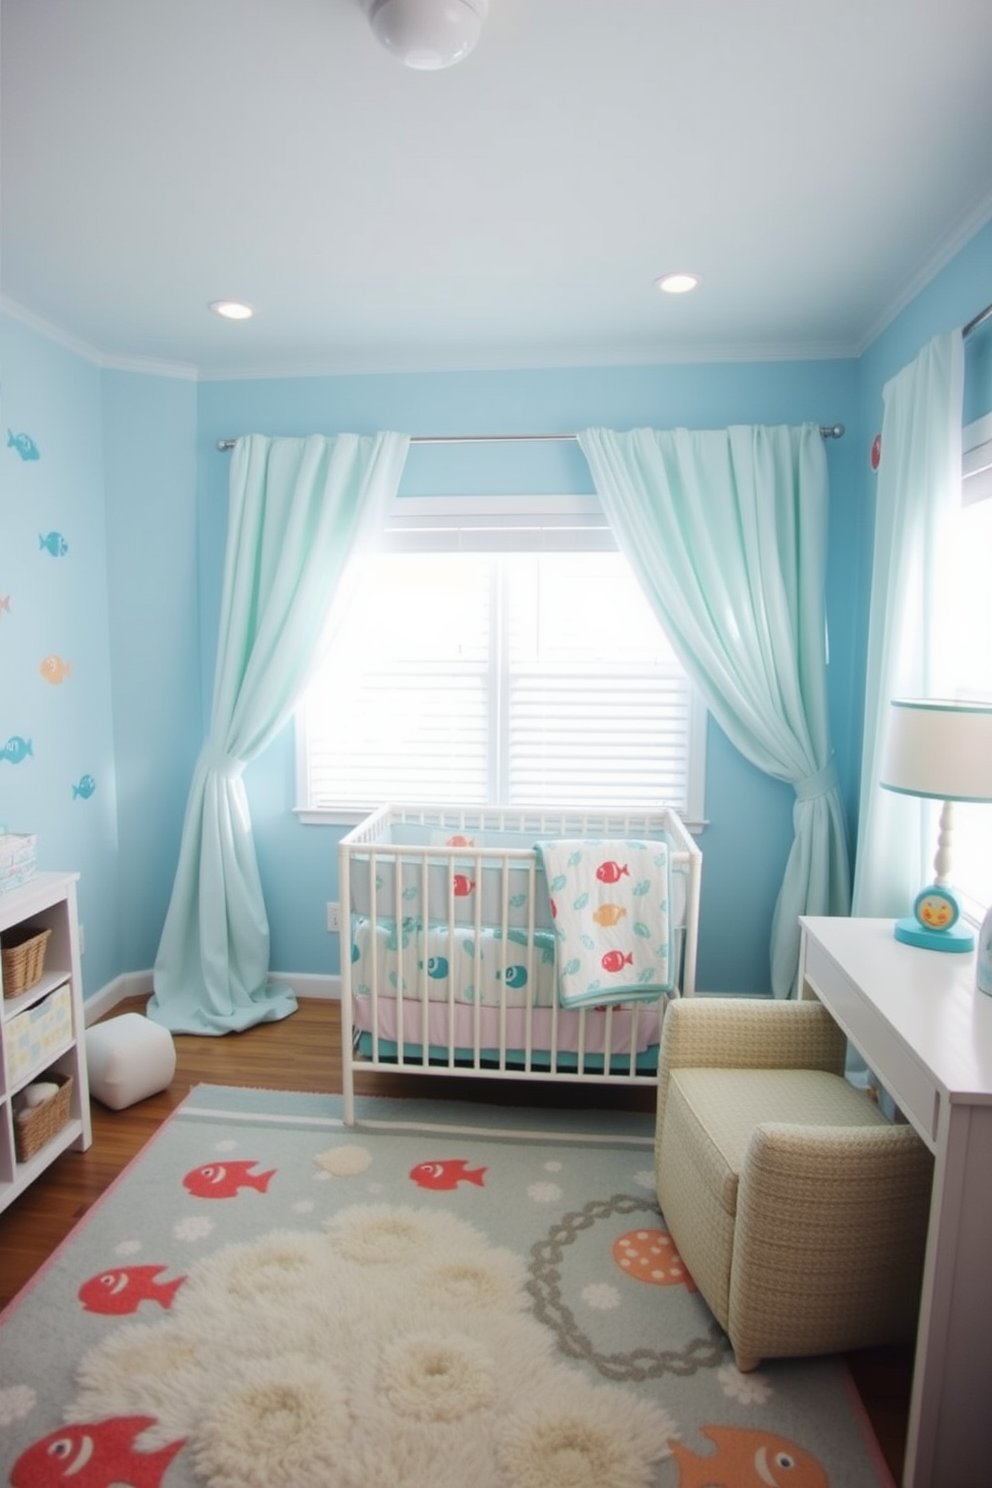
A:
x: 130, y: 476
x: 747, y: 842
x: 152, y: 556
x: 56, y: 607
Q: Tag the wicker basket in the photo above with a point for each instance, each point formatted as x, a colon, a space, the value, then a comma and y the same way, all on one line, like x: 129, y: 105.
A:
x: 23, y: 951
x: 38, y: 1125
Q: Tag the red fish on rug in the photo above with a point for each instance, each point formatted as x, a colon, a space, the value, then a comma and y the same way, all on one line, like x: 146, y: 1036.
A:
x: 748, y: 1459
x: 222, y: 1180
x: 115, y: 1293
x: 94, y: 1456
x: 446, y: 1175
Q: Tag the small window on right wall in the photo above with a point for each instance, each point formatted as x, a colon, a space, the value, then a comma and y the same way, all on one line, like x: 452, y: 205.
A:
x: 973, y: 602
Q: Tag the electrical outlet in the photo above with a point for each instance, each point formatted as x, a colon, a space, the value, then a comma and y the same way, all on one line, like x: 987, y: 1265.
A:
x: 333, y: 916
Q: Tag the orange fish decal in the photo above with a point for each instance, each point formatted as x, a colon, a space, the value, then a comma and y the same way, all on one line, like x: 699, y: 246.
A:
x: 748, y: 1459
x: 462, y: 885
x: 616, y: 961
x: 459, y: 841
x: 608, y: 914
x: 55, y: 670
x: 222, y: 1180
x: 446, y: 1175
x: 4, y: 603
x: 650, y: 1256
x: 611, y: 871
x: 94, y: 1455
x: 115, y: 1293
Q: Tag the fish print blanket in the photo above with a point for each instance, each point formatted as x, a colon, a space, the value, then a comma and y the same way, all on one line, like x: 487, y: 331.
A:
x: 610, y: 905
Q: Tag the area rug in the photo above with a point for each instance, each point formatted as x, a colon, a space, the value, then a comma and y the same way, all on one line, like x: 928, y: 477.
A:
x: 441, y: 1296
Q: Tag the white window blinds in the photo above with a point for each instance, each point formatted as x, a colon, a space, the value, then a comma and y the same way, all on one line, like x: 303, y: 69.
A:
x: 521, y: 677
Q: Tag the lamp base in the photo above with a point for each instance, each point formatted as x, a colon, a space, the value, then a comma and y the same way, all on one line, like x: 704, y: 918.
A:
x: 954, y: 938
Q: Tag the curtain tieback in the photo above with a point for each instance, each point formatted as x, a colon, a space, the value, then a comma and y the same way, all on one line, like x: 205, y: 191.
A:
x: 820, y: 783
x: 222, y: 764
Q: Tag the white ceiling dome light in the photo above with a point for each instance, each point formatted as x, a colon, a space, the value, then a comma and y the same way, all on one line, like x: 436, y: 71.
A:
x: 427, y: 34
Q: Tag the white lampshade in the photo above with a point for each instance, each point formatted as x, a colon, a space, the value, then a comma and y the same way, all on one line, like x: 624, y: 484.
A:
x: 427, y: 34
x: 939, y: 748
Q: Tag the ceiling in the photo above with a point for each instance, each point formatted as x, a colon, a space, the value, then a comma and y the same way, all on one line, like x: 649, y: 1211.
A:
x: 814, y: 164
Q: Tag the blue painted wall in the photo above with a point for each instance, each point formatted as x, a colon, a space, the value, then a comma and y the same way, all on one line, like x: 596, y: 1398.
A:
x: 152, y: 563
x: 129, y: 474
x: 54, y: 609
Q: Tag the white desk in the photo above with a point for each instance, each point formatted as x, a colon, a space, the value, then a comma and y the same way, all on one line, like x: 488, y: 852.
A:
x: 920, y: 1024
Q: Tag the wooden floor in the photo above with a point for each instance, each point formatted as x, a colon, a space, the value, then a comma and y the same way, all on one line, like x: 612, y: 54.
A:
x: 304, y: 1053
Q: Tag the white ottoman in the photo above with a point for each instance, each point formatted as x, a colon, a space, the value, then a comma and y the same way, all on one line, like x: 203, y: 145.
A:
x: 128, y: 1058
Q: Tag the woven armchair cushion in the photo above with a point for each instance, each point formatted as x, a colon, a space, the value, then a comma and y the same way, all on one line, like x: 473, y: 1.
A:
x: 716, y: 1111
x: 742, y: 1033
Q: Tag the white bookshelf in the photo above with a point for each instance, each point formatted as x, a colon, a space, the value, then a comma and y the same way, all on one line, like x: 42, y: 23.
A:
x: 34, y: 1042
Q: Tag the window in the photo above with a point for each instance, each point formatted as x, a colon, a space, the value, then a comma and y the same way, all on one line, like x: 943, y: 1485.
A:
x: 972, y: 866
x: 509, y: 662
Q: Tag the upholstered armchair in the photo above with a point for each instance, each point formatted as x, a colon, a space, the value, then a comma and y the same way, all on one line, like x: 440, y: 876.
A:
x: 799, y: 1209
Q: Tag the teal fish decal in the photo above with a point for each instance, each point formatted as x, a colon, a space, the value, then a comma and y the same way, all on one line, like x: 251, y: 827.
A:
x: 356, y: 954
x: 643, y: 886
x: 437, y: 967
x: 411, y: 893
x: 575, y: 858
x: 517, y: 901
x: 644, y: 931
x: 572, y: 967
x: 516, y: 976
x: 85, y: 788
x: 53, y: 543
x: 24, y: 445
x: 558, y: 882
x: 16, y: 749
x: 581, y: 901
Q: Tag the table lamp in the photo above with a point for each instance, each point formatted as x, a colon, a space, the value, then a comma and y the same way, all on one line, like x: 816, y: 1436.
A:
x: 940, y: 749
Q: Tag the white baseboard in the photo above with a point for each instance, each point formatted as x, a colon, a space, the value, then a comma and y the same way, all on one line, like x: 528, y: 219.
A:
x: 140, y: 984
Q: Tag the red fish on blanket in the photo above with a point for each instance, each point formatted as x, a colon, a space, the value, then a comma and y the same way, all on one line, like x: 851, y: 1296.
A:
x: 748, y: 1459
x: 222, y: 1180
x: 446, y: 1175
x: 462, y: 885
x: 616, y: 961
x: 96, y: 1455
x: 611, y: 871
x: 115, y: 1293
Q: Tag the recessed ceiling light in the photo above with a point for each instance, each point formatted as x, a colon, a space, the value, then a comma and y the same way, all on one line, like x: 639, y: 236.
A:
x: 677, y: 283
x: 232, y: 309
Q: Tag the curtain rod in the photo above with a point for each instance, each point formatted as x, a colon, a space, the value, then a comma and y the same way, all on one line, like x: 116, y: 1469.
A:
x: 829, y: 431
x: 980, y: 319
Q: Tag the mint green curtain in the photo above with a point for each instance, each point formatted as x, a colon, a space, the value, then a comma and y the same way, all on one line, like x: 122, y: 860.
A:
x: 909, y: 650
x: 299, y: 510
x: 727, y: 532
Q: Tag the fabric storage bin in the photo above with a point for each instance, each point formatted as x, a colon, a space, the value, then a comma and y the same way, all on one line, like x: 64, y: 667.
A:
x: 18, y: 851
x: 33, y: 1037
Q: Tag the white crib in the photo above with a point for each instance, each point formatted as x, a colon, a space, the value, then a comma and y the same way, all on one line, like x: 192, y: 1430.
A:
x: 448, y: 947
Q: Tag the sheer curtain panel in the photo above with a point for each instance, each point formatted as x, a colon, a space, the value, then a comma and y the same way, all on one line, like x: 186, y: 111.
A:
x: 909, y: 651
x: 727, y: 532
x: 299, y: 510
